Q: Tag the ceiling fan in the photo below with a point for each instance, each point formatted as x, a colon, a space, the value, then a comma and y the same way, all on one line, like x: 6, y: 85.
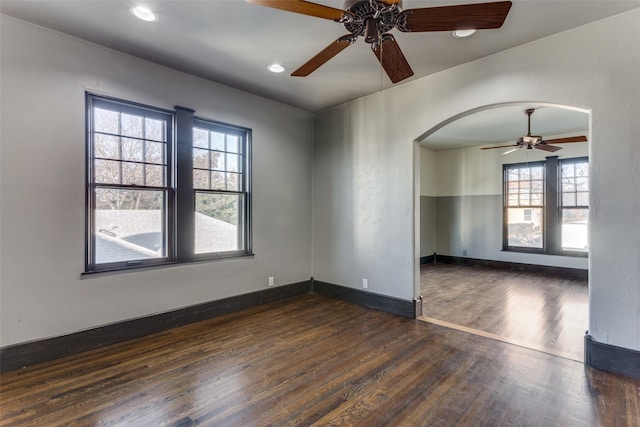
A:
x: 373, y: 19
x: 535, y: 141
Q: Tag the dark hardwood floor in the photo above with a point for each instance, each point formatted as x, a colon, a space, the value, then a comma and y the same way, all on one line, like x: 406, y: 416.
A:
x: 537, y: 311
x: 311, y: 360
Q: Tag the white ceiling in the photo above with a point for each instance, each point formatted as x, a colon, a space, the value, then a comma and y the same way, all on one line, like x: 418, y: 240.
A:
x: 505, y: 124
x: 232, y: 42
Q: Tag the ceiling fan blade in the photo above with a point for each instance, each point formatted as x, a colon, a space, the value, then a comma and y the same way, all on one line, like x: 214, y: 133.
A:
x: 324, y: 56
x: 303, y: 7
x: 392, y: 59
x: 480, y: 16
x: 545, y: 147
x: 566, y: 140
x: 501, y: 146
x: 509, y: 151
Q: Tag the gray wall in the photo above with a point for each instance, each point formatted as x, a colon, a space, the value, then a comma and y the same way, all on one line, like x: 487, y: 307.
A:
x: 428, y: 226
x: 44, y: 76
x: 468, y: 226
x: 366, y: 195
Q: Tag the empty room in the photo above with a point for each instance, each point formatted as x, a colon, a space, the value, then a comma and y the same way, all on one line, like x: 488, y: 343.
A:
x: 504, y: 225
x: 234, y: 213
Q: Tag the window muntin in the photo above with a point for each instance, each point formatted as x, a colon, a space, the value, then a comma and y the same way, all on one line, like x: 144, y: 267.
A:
x: 220, y: 183
x: 141, y: 207
x: 128, y: 185
x: 574, y: 204
x: 524, y: 205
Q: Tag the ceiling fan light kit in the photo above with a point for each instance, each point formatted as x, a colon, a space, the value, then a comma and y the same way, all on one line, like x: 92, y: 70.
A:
x: 529, y: 142
x: 374, y: 19
x: 460, y: 34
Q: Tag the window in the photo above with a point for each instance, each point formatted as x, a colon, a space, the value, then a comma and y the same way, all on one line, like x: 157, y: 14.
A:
x: 546, y: 206
x: 574, y: 200
x: 524, y: 190
x: 219, y: 181
x: 151, y: 201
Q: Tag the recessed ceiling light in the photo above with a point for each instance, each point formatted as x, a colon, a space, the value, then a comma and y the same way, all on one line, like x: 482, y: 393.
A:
x: 275, y: 68
x: 144, y: 13
x: 463, y: 33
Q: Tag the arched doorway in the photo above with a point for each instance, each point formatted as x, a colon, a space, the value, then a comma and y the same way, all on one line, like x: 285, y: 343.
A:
x: 503, y: 248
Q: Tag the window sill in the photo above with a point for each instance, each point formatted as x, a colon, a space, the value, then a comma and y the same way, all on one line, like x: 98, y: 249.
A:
x: 138, y: 268
x: 541, y: 252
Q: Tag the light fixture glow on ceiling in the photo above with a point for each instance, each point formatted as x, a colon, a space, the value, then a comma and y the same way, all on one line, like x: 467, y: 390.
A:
x: 463, y: 33
x: 144, y: 13
x: 275, y: 68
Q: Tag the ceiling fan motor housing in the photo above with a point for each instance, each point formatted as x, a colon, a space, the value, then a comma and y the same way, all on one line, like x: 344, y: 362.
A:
x: 385, y: 16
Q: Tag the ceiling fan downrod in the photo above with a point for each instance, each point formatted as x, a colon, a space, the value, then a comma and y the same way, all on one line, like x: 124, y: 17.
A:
x: 529, y: 112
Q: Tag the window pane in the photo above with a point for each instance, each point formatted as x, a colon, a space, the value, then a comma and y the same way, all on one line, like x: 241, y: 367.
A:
x: 200, y: 158
x: 132, y: 149
x: 217, y: 141
x: 217, y: 160
x: 154, y: 152
x: 537, y: 186
x: 217, y: 181
x: 582, y: 199
x: 201, y: 179
x: 233, y: 182
x: 200, y: 138
x: 233, y: 163
x: 569, y: 199
x: 154, y: 129
x: 582, y: 169
x: 129, y: 225
x: 575, y: 225
x: 582, y: 184
x: 537, y: 172
x: 132, y: 173
x: 568, y: 170
x: 233, y: 144
x: 537, y: 199
x: 218, y: 223
x: 568, y: 184
x: 106, y: 121
x: 106, y: 146
x: 154, y: 175
x: 524, y: 227
x: 107, y: 172
x: 131, y: 125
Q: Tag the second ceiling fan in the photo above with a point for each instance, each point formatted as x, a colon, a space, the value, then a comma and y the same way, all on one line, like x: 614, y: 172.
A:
x: 530, y: 142
x: 373, y: 19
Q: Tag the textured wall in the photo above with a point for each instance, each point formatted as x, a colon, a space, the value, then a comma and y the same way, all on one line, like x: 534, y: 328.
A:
x: 44, y: 76
x: 364, y: 183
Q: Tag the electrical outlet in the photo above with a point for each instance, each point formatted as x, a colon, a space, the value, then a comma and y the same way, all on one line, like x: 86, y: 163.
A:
x: 365, y: 283
x: 270, y: 280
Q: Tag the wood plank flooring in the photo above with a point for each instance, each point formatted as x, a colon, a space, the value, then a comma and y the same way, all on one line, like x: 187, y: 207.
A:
x: 542, y: 312
x: 311, y: 360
